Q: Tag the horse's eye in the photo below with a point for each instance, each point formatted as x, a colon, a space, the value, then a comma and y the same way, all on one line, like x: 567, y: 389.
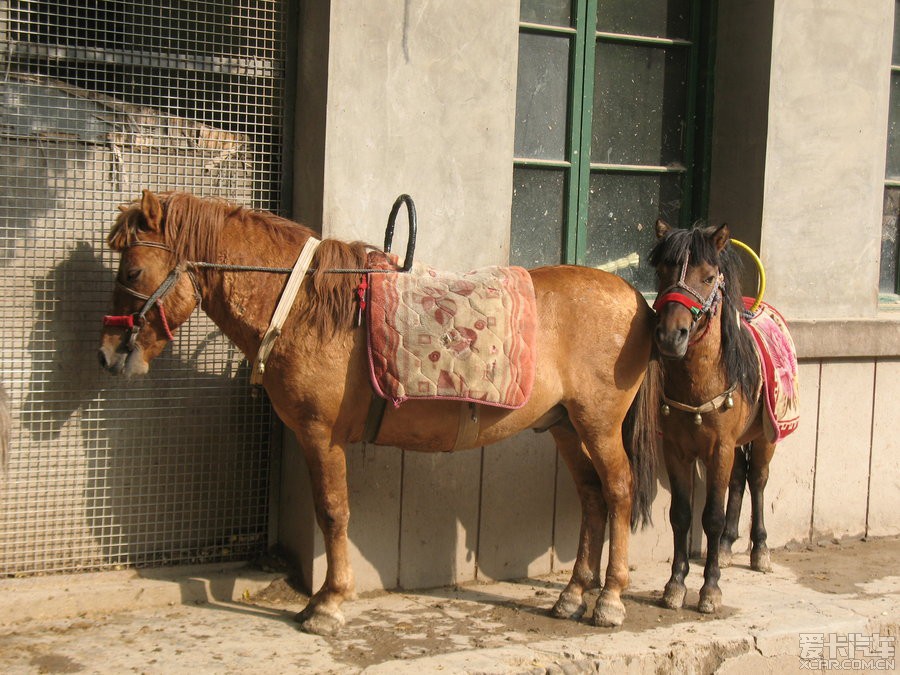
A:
x: 133, y: 274
x: 709, y: 280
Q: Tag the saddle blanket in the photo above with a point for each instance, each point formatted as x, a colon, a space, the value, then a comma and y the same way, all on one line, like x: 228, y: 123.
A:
x: 778, y: 363
x: 439, y: 335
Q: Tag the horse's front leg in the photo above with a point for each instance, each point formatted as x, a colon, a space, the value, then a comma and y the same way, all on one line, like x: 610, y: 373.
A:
x: 718, y: 474
x: 586, y: 571
x: 681, y: 478
x: 328, y: 471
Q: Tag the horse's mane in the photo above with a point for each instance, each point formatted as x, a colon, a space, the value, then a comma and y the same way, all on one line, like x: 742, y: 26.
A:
x: 738, y: 355
x: 193, y: 226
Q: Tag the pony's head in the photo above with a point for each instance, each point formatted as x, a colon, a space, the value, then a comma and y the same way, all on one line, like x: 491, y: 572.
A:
x: 154, y: 291
x: 690, y: 283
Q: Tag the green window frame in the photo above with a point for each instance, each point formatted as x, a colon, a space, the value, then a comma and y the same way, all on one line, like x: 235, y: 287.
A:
x: 611, y: 121
x: 889, y: 278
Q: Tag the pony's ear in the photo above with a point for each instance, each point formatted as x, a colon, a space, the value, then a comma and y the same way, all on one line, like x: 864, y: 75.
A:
x: 662, y: 228
x: 720, y: 237
x: 152, y: 211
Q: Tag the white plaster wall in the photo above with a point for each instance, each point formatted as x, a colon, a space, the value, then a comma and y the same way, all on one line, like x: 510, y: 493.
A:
x: 827, y: 124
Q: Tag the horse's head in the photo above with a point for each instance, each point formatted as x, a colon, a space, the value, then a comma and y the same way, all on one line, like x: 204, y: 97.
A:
x: 689, y: 284
x: 154, y: 292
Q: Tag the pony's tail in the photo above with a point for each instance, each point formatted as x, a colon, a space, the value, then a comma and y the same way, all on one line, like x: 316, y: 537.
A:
x: 640, y: 432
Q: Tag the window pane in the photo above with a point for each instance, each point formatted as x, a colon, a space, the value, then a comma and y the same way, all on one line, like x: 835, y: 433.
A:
x: 892, y: 165
x: 538, y: 213
x: 640, y: 98
x: 650, y: 18
x: 889, y: 251
x: 895, y: 59
x: 549, y: 12
x: 622, y: 212
x: 541, y: 96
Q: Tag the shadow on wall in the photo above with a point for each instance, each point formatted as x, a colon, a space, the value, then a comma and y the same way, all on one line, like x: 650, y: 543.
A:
x: 174, y: 466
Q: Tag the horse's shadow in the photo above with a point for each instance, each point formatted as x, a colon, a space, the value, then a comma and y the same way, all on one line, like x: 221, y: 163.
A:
x: 174, y: 467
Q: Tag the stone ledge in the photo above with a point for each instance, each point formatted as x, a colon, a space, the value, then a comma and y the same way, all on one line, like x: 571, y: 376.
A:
x: 846, y: 338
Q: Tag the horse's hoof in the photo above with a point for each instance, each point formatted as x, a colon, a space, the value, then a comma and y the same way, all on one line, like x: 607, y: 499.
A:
x: 710, y: 600
x: 760, y: 560
x: 673, y: 596
x: 318, y: 621
x: 725, y: 556
x: 568, y: 606
x: 609, y: 613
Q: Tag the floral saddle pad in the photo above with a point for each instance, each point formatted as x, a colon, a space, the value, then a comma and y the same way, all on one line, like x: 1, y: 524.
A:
x: 443, y: 335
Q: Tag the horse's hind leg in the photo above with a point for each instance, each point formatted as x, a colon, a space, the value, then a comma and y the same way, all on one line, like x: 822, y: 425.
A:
x: 760, y: 456
x: 733, y: 511
x: 328, y: 471
x: 681, y: 479
x: 586, y: 571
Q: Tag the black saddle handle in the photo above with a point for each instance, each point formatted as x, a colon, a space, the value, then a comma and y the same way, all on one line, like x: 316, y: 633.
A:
x: 389, y: 231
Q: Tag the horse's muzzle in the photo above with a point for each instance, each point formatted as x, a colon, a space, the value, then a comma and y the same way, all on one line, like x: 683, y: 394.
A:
x: 672, y: 342
x: 121, y: 362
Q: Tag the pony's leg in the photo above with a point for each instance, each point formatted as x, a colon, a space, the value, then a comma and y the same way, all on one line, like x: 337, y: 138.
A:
x: 718, y: 474
x: 733, y: 511
x: 586, y: 571
x: 328, y: 471
x: 611, y: 463
x: 681, y: 480
x: 760, y: 456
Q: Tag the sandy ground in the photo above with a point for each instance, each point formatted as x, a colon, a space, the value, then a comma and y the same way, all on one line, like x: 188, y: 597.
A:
x: 490, y: 628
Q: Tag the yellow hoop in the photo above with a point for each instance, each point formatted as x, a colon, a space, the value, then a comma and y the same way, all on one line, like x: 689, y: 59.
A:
x: 761, y: 287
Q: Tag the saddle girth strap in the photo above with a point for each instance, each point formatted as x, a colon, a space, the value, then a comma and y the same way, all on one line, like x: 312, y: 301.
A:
x: 469, y: 426
x: 283, y: 308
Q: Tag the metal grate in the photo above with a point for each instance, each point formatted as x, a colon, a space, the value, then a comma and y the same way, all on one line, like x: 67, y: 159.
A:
x: 97, y: 101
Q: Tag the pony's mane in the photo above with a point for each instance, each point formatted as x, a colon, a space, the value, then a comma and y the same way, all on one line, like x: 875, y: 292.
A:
x: 192, y: 227
x: 738, y: 356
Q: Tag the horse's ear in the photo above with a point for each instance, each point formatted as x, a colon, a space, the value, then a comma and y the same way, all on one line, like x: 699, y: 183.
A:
x: 662, y: 228
x: 152, y: 211
x: 720, y: 237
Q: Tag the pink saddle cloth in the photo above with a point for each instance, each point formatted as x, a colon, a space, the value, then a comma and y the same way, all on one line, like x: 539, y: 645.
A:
x: 439, y: 335
x: 778, y: 364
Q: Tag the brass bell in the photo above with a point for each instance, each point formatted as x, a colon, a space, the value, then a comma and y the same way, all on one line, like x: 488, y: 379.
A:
x: 729, y: 402
x: 698, y: 420
x: 665, y: 410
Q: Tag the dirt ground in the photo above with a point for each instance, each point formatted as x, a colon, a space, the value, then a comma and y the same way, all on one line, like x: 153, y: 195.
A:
x: 463, y: 617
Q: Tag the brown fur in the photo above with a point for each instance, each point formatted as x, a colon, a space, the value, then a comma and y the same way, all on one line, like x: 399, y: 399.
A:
x: 593, y: 346
x: 697, y: 370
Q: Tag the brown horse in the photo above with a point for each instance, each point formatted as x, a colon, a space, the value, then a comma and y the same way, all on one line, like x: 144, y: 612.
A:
x: 712, y: 401
x: 593, y: 345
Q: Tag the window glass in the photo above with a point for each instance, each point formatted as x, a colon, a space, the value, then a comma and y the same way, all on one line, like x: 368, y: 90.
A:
x: 548, y: 12
x: 621, y: 217
x: 537, y: 217
x: 888, y: 278
x: 892, y: 163
x: 649, y: 18
x: 640, y: 98
x: 541, y: 96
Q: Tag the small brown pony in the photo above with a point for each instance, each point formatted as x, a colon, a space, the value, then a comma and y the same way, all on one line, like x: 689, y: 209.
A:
x: 593, y: 346
x: 712, y: 401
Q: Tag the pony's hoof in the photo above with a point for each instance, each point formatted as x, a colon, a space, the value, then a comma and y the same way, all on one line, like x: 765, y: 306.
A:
x: 710, y: 600
x: 318, y: 621
x: 609, y: 613
x: 673, y: 596
x: 760, y: 560
x: 725, y: 556
x: 568, y: 606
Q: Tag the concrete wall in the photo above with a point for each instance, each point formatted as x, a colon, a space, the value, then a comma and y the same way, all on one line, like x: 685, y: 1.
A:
x: 418, y: 97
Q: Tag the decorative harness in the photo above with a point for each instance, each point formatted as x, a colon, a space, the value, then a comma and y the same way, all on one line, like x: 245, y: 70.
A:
x: 698, y: 307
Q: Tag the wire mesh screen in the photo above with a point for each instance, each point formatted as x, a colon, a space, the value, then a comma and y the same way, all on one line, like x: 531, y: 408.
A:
x: 97, y: 101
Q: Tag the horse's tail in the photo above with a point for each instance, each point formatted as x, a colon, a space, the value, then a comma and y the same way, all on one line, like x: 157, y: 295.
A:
x: 640, y: 432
